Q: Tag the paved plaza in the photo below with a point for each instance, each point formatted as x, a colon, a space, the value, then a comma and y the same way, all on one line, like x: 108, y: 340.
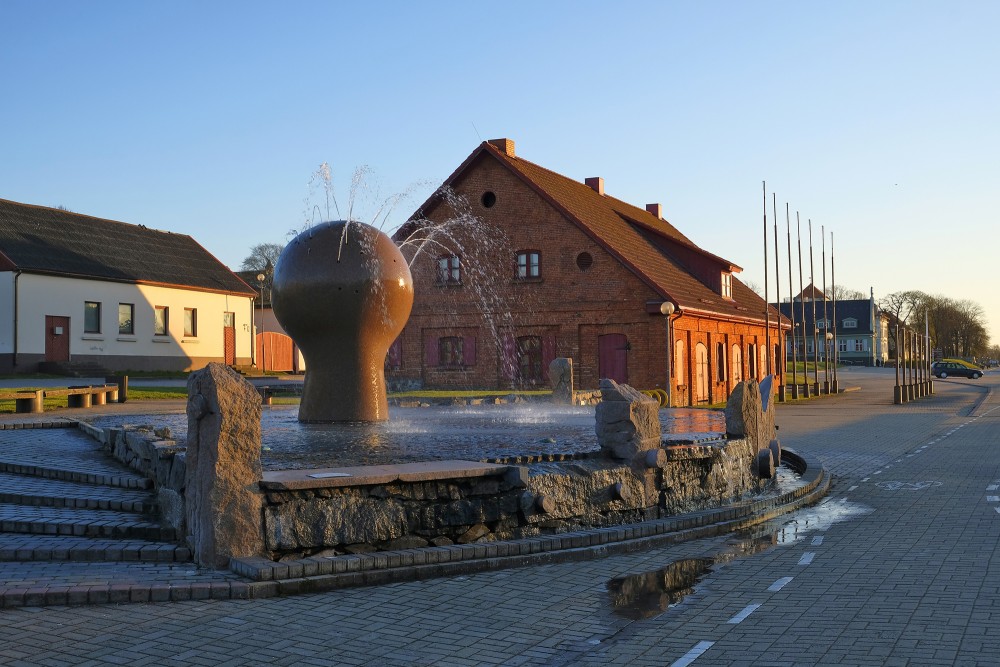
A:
x: 898, y: 565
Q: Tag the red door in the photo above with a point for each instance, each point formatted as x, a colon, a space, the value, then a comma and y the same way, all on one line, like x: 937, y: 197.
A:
x: 56, y: 338
x: 612, y: 357
x: 229, y: 338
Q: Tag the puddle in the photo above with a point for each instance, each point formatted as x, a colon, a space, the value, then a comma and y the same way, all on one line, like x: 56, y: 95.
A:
x: 649, y: 594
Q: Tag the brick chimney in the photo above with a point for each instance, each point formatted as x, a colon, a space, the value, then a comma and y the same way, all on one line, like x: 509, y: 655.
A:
x: 506, y: 146
x: 655, y: 209
x: 595, y: 183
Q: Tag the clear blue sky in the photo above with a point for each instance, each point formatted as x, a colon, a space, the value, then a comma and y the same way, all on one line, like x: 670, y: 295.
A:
x: 878, y: 120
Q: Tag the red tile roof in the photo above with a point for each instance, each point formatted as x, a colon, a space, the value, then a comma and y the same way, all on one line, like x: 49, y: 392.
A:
x: 647, y: 245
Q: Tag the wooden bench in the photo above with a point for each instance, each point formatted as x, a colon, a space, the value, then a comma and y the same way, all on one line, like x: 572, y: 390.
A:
x: 33, y: 401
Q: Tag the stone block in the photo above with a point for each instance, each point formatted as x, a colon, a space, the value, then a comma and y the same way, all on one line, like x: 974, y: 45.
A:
x: 223, y: 469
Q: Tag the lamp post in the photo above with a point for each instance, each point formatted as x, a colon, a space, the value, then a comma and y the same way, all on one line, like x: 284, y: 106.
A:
x: 263, y: 350
x: 667, y: 309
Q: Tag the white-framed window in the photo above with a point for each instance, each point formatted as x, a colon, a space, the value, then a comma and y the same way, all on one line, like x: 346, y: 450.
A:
x: 842, y: 345
x: 727, y: 285
x: 850, y: 323
x: 860, y: 345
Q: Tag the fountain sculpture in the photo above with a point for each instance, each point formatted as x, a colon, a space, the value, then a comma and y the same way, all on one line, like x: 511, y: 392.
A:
x: 343, y: 291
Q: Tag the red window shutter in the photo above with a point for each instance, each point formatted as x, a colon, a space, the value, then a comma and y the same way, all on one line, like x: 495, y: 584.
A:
x: 469, y: 351
x: 432, y: 350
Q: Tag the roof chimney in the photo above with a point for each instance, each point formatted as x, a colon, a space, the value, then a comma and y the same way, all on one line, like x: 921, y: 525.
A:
x: 595, y: 183
x: 506, y: 146
x: 655, y: 209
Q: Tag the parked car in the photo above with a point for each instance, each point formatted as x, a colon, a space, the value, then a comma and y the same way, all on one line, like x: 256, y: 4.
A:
x: 943, y: 369
x: 963, y: 362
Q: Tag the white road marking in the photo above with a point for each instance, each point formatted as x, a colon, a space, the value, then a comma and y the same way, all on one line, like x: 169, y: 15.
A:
x: 779, y: 584
x: 992, y: 487
x: 997, y: 509
x: 749, y: 609
x: 866, y: 479
x: 993, y: 499
x: 852, y: 488
x: 818, y: 540
x: 692, y: 655
x: 807, y: 558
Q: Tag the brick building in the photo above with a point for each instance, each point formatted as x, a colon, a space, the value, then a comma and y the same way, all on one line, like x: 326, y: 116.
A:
x: 514, y: 265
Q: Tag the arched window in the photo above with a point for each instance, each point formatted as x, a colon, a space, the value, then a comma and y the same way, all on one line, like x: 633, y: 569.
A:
x: 720, y: 362
x: 737, y: 371
x: 679, y: 375
x: 752, y: 361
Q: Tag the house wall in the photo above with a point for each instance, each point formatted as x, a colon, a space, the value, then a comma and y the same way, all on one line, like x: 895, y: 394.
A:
x: 39, y: 296
x: 6, y: 319
x: 568, y: 308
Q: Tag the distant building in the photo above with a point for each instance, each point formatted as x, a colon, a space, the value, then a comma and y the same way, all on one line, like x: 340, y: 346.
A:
x: 859, y: 330
x: 526, y: 265
x: 79, y: 290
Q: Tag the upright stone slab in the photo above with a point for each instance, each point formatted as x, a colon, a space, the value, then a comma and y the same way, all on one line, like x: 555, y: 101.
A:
x: 750, y: 414
x: 222, y: 497
x: 628, y: 422
x: 561, y: 377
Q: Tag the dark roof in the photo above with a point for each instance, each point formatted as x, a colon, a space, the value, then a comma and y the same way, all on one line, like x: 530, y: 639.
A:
x: 649, y: 246
x: 37, y: 239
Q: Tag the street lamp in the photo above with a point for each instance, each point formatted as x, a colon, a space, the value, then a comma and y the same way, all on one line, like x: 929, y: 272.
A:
x: 667, y: 309
x: 263, y: 349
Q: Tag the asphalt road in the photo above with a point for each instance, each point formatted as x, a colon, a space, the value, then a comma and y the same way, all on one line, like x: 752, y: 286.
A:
x: 897, y: 566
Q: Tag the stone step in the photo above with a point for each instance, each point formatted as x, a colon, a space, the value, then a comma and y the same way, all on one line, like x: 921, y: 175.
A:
x: 110, y: 477
x: 32, y: 584
x: 81, y: 523
x: 46, y: 492
x: 20, y: 547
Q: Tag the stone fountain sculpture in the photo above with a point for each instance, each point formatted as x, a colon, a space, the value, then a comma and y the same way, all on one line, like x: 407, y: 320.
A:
x: 343, y: 291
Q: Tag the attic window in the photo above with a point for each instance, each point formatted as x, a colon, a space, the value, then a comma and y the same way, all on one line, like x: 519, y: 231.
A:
x: 584, y: 261
x: 727, y: 285
x: 488, y: 199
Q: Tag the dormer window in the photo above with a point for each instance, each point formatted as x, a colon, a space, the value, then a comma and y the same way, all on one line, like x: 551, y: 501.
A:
x: 850, y: 323
x: 727, y: 285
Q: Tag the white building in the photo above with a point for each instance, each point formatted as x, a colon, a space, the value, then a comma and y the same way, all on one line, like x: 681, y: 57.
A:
x: 81, y: 290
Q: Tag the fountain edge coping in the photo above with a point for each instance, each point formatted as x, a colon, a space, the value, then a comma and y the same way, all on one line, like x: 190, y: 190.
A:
x: 421, y: 471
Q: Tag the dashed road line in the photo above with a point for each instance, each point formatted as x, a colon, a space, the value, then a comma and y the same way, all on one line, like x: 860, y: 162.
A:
x: 993, y: 499
x: 749, y: 609
x: 692, y: 655
x: 818, y: 540
x: 779, y: 584
x: 852, y: 488
x: 807, y: 558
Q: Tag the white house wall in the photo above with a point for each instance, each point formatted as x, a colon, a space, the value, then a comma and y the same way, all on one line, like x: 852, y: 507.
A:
x: 6, y: 312
x: 39, y: 296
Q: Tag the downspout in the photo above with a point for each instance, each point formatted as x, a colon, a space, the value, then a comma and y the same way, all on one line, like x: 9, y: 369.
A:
x: 17, y: 275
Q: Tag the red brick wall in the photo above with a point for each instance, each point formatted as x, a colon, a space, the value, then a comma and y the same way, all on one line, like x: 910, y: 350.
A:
x: 566, y: 305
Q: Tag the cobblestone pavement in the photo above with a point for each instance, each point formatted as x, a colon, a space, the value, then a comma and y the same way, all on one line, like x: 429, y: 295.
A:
x: 898, y: 566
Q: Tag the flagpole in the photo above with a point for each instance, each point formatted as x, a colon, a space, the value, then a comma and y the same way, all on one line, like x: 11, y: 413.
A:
x: 767, y: 312
x: 826, y: 321
x: 791, y: 309
x: 779, y: 360
x: 802, y: 309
